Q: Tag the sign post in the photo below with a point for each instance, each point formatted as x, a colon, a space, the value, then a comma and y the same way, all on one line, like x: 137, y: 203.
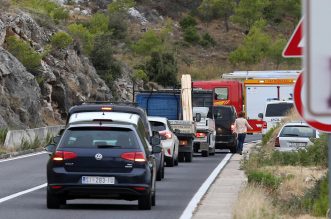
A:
x: 317, y: 64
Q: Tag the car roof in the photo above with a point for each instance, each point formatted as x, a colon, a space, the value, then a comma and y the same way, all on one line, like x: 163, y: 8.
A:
x: 102, y: 124
x: 104, y: 116
x: 157, y: 118
x: 280, y: 101
x: 296, y: 124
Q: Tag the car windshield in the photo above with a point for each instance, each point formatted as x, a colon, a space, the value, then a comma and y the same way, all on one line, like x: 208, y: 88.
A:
x: 158, y: 126
x: 223, y: 113
x: 298, y: 131
x: 278, y: 109
x: 92, y: 137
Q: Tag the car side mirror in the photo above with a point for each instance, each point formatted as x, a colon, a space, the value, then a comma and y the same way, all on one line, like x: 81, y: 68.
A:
x: 61, y: 131
x: 57, y: 139
x: 50, y: 148
x: 156, y: 149
x: 155, y: 140
x: 260, y: 115
x: 198, y: 117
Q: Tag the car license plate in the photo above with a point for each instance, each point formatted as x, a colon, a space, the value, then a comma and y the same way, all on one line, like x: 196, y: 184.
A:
x: 296, y: 144
x: 98, y: 180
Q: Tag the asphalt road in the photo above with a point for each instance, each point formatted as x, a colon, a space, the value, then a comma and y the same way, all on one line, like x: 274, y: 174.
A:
x: 173, y: 193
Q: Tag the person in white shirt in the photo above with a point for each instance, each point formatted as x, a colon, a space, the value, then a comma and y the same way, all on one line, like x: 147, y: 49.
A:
x: 240, y: 127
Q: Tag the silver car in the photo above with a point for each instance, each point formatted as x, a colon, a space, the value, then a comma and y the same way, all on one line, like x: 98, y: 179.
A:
x: 169, y: 140
x: 294, y: 136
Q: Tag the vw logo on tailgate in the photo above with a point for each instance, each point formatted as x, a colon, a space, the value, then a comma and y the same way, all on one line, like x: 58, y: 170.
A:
x: 98, y: 156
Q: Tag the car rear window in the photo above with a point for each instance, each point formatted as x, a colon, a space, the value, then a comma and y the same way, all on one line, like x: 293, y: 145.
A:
x: 92, y: 137
x: 298, y: 131
x: 278, y: 109
x: 223, y: 113
x: 158, y: 126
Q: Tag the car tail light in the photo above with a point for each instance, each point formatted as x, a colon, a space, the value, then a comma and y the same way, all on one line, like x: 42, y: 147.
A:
x: 264, y: 125
x: 134, y: 156
x: 200, y: 135
x: 166, y: 134
x: 64, y: 155
x: 140, y: 188
x: 183, y: 142
x: 169, y: 151
x: 277, y: 144
x: 56, y: 187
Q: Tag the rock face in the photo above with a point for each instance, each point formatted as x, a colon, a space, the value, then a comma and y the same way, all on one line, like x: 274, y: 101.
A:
x: 65, y: 78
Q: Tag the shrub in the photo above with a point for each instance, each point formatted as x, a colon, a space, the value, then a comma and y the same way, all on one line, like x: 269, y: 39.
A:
x: 61, y: 40
x: 162, y: 68
x: 103, y: 61
x: 188, y: 22
x: 266, y: 138
x: 3, y: 134
x: 191, y: 35
x: 150, y: 42
x: 316, y: 201
x: 99, y: 23
x: 207, y: 40
x: 118, y: 25
x: 24, y: 53
x: 264, y: 179
x: 82, y: 36
x: 59, y: 14
x: 120, y: 5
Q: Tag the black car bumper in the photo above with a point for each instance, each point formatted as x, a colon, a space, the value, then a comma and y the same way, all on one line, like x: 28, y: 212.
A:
x: 225, y: 141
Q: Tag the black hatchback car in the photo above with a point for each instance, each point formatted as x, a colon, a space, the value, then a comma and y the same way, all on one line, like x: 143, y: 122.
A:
x: 225, y: 117
x: 102, y: 159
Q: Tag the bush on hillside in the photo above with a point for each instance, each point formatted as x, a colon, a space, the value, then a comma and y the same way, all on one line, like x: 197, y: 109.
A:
x: 188, y: 22
x: 162, y: 68
x: 82, y: 37
x: 118, y: 25
x: 99, y: 23
x: 103, y: 61
x: 24, y: 53
x: 207, y: 40
x: 120, y: 5
x: 264, y: 179
x: 61, y: 40
x: 150, y: 42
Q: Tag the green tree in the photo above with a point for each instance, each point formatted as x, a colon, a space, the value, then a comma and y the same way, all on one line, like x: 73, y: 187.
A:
x: 120, y: 5
x: 213, y: 9
x: 150, y: 42
x: 103, y: 61
x: 278, y: 11
x: 99, y: 23
x: 276, y: 50
x: 24, y: 53
x: 61, y: 40
x: 256, y: 46
x: 247, y: 12
x: 118, y: 25
x: 162, y: 68
x: 82, y: 36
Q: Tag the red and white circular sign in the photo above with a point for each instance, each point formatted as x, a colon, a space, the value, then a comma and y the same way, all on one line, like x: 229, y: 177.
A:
x: 299, y: 106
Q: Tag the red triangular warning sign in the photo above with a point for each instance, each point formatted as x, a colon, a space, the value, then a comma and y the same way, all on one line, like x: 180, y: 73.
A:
x: 294, y: 47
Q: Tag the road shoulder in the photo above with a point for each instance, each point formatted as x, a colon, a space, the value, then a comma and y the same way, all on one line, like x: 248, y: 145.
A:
x: 222, y: 195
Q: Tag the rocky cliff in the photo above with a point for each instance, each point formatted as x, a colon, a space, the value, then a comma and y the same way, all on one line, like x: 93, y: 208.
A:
x: 65, y: 78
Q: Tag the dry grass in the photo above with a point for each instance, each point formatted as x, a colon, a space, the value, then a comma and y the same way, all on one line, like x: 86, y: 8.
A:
x: 297, y: 180
x: 254, y: 203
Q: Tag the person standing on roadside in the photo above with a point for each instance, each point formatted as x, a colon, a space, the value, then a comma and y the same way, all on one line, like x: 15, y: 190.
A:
x: 240, y: 127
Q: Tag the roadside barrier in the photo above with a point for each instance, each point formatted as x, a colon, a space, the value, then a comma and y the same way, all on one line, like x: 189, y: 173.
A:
x: 14, y: 138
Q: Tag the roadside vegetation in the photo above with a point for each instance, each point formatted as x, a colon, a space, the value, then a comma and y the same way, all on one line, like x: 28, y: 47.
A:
x: 292, y: 184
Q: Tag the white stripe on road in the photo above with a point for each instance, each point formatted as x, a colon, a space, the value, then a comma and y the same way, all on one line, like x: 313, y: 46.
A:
x: 23, y: 156
x: 22, y: 193
x: 188, y: 212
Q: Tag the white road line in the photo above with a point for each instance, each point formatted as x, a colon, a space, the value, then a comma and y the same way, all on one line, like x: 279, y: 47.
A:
x: 22, y: 193
x: 188, y: 212
x: 23, y: 156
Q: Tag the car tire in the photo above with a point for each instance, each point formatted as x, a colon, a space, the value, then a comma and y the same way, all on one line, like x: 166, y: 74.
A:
x: 176, y: 160
x: 145, y: 202
x: 181, y: 157
x: 205, y: 153
x: 154, y: 199
x: 54, y: 201
x: 233, y: 149
x: 188, y: 157
x: 163, y: 169
x: 159, y: 174
x: 170, y: 162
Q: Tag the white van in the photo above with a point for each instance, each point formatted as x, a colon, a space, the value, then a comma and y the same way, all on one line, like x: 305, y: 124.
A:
x: 274, y: 112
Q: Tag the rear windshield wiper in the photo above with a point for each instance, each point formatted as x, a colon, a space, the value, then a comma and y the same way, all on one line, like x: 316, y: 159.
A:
x: 108, y: 146
x: 294, y: 135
